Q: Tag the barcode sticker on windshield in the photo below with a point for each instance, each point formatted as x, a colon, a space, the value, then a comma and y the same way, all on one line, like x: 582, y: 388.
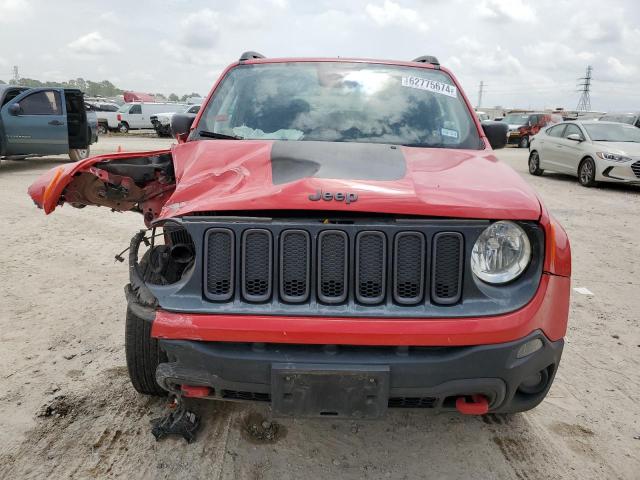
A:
x: 430, y: 86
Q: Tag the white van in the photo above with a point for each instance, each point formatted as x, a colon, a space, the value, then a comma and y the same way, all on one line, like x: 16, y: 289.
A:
x: 137, y: 115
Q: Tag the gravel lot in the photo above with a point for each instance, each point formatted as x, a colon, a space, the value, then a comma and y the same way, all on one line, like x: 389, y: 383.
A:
x: 67, y: 409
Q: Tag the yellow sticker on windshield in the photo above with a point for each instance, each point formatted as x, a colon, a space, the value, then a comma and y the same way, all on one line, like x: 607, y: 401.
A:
x: 430, y: 86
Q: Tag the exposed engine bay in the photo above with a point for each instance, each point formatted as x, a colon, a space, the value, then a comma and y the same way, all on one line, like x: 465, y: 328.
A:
x: 139, y: 184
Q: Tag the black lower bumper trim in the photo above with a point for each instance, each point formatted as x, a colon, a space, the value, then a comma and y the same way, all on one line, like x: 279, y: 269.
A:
x: 430, y: 378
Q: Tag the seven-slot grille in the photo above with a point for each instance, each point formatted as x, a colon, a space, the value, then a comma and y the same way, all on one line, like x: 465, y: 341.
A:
x: 636, y: 169
x: 393, y: 266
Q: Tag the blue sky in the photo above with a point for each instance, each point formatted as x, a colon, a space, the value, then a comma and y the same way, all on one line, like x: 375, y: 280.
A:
x: 529, y: 54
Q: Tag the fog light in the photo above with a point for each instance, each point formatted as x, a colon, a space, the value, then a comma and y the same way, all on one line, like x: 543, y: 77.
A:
x: 529, y: 347
x: 535, y: 383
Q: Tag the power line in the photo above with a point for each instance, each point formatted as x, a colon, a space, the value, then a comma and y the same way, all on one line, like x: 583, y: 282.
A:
x: 584, y: 104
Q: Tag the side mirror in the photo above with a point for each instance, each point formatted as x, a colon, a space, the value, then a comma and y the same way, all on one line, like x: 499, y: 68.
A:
x: 181, y: 125
x: 15, y: 109
x: 575, y: 137
x: 496, y: 133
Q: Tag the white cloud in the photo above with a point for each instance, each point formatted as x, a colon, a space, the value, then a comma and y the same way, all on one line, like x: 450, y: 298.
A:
x: 484, y: 60
x: 608, y: 28
x: 14, y: 10
x: 199, y: 30
x: 617, y: 70
x: 556, y: 55
x: 110, y: 17
x: 393, y: 14
x: 93, y: 44
x: 506, y: 10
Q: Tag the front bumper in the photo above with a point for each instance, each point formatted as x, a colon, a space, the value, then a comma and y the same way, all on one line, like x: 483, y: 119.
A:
x: 319, y: 380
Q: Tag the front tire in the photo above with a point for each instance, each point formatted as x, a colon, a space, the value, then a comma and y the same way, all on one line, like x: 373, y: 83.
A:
x: 143, y: 355
x: 524, y: 142
x: 587, y: 173
x: 534, y: 164
x: 77, y: 154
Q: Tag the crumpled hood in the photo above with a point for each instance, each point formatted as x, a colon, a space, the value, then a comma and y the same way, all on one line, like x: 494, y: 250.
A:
x: 228, y: 175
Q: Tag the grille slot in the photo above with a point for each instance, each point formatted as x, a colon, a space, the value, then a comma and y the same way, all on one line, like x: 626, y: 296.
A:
x: 636, y: 169
x: 257, y: 265
x: 251, y: 396
x: 446, y: 285
x: 408, y: 268
x: 220, y: 264
x: 412, y: 402
x: 332, y: 266
x: 371, y: 267
x: 295, y: 265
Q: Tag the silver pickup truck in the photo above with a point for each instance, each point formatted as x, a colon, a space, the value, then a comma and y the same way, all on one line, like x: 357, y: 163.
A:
x: 45, y: 121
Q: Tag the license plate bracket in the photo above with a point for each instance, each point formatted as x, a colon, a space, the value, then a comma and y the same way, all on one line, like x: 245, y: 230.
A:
x: 316, y: 390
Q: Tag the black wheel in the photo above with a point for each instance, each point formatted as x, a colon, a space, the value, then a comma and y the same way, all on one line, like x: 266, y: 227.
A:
x: 123, y: 127
x: 143, y: 355
x: 524, y: 142
x: 76, y: 154
x: 587, y: 173
x: 534, y: 164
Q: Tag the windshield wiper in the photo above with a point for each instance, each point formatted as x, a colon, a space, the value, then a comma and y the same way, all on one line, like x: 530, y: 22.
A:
x: 219, y: 136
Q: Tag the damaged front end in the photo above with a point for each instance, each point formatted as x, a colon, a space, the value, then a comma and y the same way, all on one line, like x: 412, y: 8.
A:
x: 140, y: 182
x: 168, y: 259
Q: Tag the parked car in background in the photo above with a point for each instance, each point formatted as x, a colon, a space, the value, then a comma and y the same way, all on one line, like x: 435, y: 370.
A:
x: 593, y: 151
x: 631, y: 118
x: 162, y: 121
x: 45, y: 121
x: 107, y: 114
x: 482, y: 116
x: 137, y: 115
x: 523, y: 126
x: 306, y: 260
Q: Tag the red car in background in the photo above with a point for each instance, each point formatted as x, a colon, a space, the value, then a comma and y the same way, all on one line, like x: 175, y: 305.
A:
x: 334, y: 237
x: 523, y: 126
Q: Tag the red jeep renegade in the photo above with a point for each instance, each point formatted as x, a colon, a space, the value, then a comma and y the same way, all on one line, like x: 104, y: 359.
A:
x: 334, y: 237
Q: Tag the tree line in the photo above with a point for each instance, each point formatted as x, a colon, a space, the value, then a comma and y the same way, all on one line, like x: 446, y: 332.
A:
x: 93, y: 89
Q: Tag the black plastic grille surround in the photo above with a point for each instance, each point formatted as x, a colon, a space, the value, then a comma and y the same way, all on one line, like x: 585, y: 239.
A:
x: 332, y: 266
x: 636, y: 169
x: 371, y: 267
x: 409, y: 266
x: 220, y: 264
x: 257, y: 265
x: 381, y: 269
x: 295, y: 265
x: 447, y: 271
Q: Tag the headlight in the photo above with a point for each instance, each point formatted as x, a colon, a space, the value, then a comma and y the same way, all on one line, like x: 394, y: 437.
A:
x: 613, y: 157
x: 501, y: 253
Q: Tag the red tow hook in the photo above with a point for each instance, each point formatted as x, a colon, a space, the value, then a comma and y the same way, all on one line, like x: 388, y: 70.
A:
x: 193, y: 391
x: 478, y: 406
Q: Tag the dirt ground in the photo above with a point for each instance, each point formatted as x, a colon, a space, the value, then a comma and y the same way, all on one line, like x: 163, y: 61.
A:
x: 67, y: 409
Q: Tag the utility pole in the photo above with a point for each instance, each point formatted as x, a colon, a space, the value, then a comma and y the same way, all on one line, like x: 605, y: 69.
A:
x: 480, y: 92
x: 584, y: 104
x: 16, y: 75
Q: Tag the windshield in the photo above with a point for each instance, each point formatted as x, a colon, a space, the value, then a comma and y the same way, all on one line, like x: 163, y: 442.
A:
x: 613, y: 132
x: 516, y: 119
x: 341, y: 102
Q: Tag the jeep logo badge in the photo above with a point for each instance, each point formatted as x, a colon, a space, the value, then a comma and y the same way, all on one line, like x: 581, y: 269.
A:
x: 338, y: 196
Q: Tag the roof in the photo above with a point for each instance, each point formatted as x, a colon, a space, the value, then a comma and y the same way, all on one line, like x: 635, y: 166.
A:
x: 6, y: 87
x: 402, y: 63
